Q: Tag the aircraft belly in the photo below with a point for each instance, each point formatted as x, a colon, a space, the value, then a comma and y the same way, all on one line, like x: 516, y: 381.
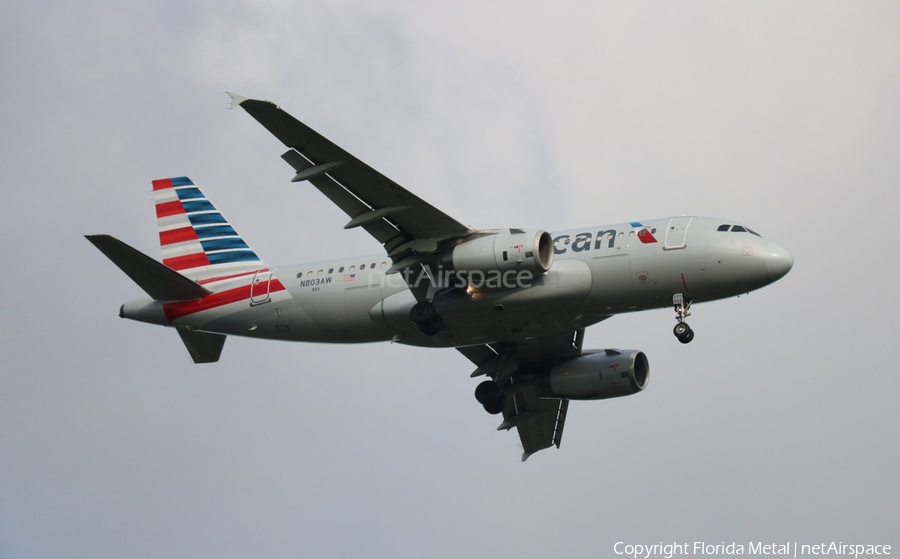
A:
x: 338, y: 314
x: 358, y: 300
x: 612, y: 288
x: 550, y: 305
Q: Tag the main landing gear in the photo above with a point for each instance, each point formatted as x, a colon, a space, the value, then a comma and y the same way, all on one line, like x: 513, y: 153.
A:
x: 682, y: 307
x: 424, y: 314
x: 491, y: 396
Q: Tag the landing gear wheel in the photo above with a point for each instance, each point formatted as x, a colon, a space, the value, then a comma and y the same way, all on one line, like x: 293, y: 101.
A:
x: 432, y: 328
x: 682, y: 310
x: 425, y: 316
x: 423, y: 313
x: 487, y: 391
x: 491, y: 396
x: 496, y: 406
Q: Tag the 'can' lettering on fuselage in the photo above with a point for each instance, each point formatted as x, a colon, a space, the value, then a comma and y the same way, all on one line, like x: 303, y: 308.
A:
x: 582, y: 241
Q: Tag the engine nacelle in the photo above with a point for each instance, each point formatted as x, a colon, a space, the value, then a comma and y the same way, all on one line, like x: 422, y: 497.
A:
x: 508, y: 250
x: 596, y: 375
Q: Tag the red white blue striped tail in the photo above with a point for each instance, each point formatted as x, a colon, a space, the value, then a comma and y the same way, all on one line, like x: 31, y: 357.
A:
x: 196, y: 240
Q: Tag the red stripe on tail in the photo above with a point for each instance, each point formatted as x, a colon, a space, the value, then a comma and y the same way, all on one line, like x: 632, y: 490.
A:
x: 177, y: 236
x: 187, y: 261
x: 162, y: 184
x: 169, y: 208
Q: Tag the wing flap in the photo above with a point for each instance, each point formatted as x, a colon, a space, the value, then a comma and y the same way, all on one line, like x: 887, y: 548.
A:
x: 344, y: 199
x: 539, y: 422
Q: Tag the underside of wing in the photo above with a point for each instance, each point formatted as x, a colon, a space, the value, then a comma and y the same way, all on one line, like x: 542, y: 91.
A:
x: 401, y: 221
x: 539, y: 422
x: 514, y: 365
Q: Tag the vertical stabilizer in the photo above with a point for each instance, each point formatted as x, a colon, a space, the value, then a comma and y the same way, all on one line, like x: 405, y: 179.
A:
x: 196, y: 240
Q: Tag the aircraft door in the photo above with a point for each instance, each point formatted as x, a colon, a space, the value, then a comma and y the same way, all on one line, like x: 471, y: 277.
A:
x: 259, y: 288
x: 676, y: 233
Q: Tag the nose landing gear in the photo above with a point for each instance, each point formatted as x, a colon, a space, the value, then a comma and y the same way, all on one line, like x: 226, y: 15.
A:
x: 682, y: 307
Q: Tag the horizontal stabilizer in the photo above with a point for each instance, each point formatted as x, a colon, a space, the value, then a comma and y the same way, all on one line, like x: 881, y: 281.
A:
x: 204, y: 347
x: 158, y: 280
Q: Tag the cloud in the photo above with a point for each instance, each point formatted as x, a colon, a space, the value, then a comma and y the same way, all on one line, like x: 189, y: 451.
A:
x: 776, y: 423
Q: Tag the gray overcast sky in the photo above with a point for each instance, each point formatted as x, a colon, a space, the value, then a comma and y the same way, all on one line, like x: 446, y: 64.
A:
x: 779, y: 422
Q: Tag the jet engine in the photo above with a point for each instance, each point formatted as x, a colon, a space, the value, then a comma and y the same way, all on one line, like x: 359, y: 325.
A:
x: 508, y: 250
x: 596, y: 375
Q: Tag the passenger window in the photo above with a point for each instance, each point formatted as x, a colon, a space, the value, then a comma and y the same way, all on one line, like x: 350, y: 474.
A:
x: 621, y: 235
x: 738, y: 229
x: 653, y: 231
x: 373, y: 265
x: 330, y: 270
x: 341, y: 269
x: 383, y: 264
x: 362, y: 266
x: 320, y: 273
x: 352, y: 268
x: 299, y: 274
x: 723, y: 227
x: 309, y: 273
x: 631, y: 233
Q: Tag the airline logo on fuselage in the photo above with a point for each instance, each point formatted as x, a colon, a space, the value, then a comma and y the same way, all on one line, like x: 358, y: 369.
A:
x: 589, y: 241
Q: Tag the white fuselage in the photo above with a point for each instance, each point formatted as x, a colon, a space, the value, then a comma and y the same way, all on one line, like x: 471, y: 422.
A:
x: 597, y: 272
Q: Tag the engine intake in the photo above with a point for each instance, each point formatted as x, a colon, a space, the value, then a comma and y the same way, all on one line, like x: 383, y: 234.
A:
x: 512, y: 249
x: 596, y: 375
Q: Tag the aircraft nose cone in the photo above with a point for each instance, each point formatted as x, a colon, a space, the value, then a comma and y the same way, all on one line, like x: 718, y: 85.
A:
x: 778, y: 261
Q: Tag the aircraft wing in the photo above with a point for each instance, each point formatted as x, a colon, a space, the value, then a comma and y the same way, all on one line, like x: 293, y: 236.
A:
x: 513, y: 365
x: 399, y: 220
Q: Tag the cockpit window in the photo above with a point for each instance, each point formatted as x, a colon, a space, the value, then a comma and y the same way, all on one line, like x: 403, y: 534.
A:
x: 737, y: 229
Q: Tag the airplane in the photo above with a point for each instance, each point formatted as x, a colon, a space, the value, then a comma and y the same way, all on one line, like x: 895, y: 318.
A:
x: 515, y: 302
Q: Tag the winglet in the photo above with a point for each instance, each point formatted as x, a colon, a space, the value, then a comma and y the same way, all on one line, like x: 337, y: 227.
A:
x: 236, y: 99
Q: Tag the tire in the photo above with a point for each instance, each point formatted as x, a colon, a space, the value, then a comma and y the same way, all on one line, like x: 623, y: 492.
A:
x: 433, y: 327
x: 496, y: 406
x: 681, y: 329
x: 686, y: 339
x: 487, y: 391
x: 422, y: 313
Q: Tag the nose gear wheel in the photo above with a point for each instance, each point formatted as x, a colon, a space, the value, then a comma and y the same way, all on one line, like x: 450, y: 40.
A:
x: 682, y: 310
